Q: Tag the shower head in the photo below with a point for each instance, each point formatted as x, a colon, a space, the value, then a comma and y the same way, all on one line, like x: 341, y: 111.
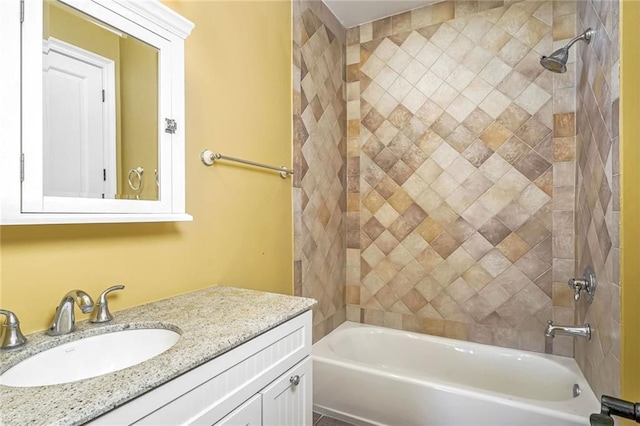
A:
x: 557, y: 61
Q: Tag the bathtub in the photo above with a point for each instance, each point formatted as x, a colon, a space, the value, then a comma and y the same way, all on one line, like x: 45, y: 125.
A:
x: 370, y: 375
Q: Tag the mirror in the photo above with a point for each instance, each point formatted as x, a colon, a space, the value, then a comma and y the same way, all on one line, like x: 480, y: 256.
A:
x: 100, y: 109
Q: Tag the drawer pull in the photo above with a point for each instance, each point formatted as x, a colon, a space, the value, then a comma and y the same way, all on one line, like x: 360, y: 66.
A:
x: 294, y: 380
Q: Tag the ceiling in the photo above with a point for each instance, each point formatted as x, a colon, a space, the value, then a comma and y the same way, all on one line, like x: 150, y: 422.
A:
x: 355, y: 12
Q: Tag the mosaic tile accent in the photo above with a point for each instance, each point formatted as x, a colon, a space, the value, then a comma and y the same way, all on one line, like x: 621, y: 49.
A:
x: 456, y: 176
x: 320, y: 200
x: 598, y: 197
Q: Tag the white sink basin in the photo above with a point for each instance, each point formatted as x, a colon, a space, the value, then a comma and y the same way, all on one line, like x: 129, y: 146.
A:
x: 90, y: 357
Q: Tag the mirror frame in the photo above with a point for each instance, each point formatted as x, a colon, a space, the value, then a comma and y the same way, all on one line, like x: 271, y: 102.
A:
x: 23, y: 201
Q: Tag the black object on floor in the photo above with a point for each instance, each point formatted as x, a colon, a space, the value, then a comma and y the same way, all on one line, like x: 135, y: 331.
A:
x: 610, y: 406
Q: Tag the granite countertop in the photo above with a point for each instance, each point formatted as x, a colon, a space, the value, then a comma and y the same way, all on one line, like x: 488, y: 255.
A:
x: 211, y: 321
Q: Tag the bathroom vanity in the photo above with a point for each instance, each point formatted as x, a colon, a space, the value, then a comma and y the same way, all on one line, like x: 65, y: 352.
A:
x: 242, y: 358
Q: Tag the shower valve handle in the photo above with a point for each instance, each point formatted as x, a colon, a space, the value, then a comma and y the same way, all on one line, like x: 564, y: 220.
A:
x: 586, y: 284
x: 577, y: 284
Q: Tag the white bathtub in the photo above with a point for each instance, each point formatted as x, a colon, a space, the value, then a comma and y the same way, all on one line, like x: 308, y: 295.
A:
x: 373, y: 375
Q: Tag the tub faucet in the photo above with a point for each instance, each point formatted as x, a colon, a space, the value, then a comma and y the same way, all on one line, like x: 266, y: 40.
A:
x: 568, y: 330
x: 64, y: 320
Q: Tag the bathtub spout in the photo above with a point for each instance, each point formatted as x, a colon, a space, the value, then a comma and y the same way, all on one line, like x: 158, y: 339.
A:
x: 568, y: 330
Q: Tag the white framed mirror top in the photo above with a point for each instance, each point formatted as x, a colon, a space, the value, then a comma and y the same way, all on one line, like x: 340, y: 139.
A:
x: 96, y: 119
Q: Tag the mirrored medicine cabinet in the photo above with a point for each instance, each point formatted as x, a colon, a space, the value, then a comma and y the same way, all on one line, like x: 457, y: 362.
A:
x: 96, y: 129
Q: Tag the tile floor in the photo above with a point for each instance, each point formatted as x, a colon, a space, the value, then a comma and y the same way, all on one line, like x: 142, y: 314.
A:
x: 320, y: 420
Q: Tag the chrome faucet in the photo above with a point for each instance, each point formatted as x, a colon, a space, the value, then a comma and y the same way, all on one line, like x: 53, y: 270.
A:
x: 10, y: 335
x: 587, y: 285
x: 567, y: 330
x: 64, y: 320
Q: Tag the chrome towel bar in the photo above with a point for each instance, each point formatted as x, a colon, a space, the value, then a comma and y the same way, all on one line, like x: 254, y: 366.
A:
x: 208, y: 157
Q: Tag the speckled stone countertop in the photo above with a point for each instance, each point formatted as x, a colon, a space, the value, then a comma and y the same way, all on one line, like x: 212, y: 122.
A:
x: 211, y: 321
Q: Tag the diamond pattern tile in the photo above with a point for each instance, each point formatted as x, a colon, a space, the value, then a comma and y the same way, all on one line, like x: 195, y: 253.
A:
x: 597, y: 214
x: 461, y: 246
x: 320, y: 162
x: 458, y: 155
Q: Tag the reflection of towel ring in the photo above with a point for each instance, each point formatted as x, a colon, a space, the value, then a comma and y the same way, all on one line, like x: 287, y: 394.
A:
x: 137, y: 172
x: 157, y: 178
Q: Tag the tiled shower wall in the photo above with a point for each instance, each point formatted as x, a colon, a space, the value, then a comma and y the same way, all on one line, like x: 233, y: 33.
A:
x: 319, y: 161
x: 598, y: 195
x: 452, y: 152
x: 465, y: 161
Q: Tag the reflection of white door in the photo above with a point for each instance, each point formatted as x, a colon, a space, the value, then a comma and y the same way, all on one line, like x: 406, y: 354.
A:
x: 79, y: 124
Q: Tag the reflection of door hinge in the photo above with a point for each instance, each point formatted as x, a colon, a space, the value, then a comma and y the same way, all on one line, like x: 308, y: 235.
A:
x: 104, y: 175
x: 172, y: 125
x: 102, y: 95
x: 21, y: 11
x: 21, y: 167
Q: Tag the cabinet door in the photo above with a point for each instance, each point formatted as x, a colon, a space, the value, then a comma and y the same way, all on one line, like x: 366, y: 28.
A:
x: 288, y: 400
x: 248, y: 414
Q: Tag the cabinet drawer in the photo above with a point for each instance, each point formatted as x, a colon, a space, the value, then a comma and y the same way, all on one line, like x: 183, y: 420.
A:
x: 248, y: 414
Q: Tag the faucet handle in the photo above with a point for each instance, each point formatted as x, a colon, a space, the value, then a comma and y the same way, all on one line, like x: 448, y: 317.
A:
x: 587, y: 284
x: 11, y: 336
x: 577, y: 284
x: 101, y: 311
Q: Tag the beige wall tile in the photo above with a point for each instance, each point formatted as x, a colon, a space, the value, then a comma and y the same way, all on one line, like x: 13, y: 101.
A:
x: 532, y: 31
x: 564, y: 125
x: 465, y: 8
x: 564, y: 100
x: 561, y: 8
x: 564, y: 26
x: 366, y: 32
x: 421, y: 17
x: 495, y: 135
x: 595, y: 241
x: 494, y: 104
x: 564, y: 149
x: 456, y: 330
x: 443, y: 11
x: 436, y: 105
x: 513, y: 19
x: 533, y: 98
x: 401, y: 23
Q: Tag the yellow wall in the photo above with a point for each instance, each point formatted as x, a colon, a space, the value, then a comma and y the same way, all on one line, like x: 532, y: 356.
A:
x: 630, y: 215
x: 139, y: 101
x: 238, y: 99
x: 70, y: 27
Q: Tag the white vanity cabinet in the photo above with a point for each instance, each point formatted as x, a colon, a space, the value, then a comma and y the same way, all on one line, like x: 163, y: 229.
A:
x: 285, y: 402
x: 248, y: 414
x: 265, y: 381
x: 288, y: 400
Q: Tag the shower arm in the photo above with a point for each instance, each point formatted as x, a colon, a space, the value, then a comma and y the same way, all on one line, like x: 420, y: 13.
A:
x: 586, y: 36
